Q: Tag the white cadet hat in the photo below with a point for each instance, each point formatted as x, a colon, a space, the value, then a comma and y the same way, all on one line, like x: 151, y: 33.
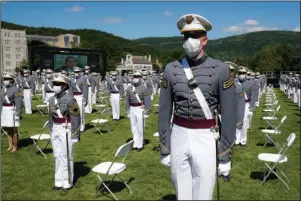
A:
x: 61, y: 78
x: 8, y: 75
x: 144, y: 73
x: 193, y: 22
x: 77, y: 69
x: 242, y: 70
x: 257, y: 73
x: 113, y: 73
x: 87, y: 67
x: 231, y: 67
x: 137, y: 73
x: 49, y: 71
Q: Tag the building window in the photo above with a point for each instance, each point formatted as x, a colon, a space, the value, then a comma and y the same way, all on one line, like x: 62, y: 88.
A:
x: 17, y: 42
x: 16, y: 35
x: 18, y: 64
x: 7, y: 49
x: 19, y: 35
x: 18, y: 49
x: 18, y: 56
x: 7, y: 56
x: 75, y: 40
x: 7, y: 63
x: 66, y: 40
x: 7, y: 42
x: 8, y: 34
x: 5, y: 34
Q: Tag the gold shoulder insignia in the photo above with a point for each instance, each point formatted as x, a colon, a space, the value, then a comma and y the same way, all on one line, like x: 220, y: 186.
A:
x: 74, y: 110
x: 19, y: 93
x: 164, y: 83
x: 241, y: 94
x: 230, y: 82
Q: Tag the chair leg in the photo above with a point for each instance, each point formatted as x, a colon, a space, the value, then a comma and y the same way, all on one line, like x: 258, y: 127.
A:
x: 271, y: 170
x: 103, y: 183
x: 125, y: 183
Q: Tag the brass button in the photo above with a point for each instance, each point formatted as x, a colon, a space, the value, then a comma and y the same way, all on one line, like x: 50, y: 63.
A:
x: 191, y: 92
x: 191, y: 108
x: 174, y: 91
x: 174, y: 83
x: 210, y: 83
x: 191, y: 100
x: 210, y: 92
x: 210, y: 75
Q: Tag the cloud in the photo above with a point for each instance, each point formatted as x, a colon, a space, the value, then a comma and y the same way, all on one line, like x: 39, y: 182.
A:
x: 112, y: 20
x: 297, y: 29
x: 251, y: 22
x: 74, y: 9
x: 248, y: 26
x: 167, y: 13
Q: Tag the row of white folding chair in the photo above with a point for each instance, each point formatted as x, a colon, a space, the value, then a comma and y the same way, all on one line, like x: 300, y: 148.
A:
x: 42, y: 136
x: 271, y: 117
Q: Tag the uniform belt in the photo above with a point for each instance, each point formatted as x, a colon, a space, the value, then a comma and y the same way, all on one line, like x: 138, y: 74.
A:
x: 8, y: 104
x: 247, y: 101
x: 77, y: 93
x: 62, y: 120
x: 136, y: 104
x: 114, y: 92
x: 194, y: 123
x: 49, y: 91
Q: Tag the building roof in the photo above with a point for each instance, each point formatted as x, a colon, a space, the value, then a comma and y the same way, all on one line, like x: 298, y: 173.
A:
x: 140, y: 61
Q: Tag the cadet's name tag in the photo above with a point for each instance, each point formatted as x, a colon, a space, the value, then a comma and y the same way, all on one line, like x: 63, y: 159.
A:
x: 164, y: 83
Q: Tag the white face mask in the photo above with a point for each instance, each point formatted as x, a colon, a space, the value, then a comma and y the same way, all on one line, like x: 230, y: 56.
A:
x: 87, y: 71
x: 113, y: 77
x: 6, y: 82
x: 48, y: 75
x: 136, y: 80
x: 192, y: 47
x: 241, y: 77
x: 76, y: 74
x: 57, y: 89
x: 26, y: 75
x: 144, y: 77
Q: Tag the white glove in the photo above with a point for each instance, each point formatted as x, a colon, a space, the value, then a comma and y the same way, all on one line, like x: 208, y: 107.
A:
x: 165, y: 160
x: 145, y: 116
x: 17, y: 118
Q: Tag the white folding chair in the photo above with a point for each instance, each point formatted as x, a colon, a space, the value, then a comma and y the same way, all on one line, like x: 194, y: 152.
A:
x: 40, y: 137
x: 113, y: 168
x: 41, y: 108
x: 99, y: 107
x: 270, y: 118
x: 270, y: 132
x: 99, y: 124
x: 156, y: 106
x: 271, y: 107
x: 272, y: 160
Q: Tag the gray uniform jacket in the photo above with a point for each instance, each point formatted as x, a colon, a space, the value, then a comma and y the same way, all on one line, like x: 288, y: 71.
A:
x: 15, y: 97
x: 69, y: 109
x: 213, y: 78
x: 240, y: 104
x: 118, y: 84
x: 90, y: 81
x: 257, y: 87
x: 250, y: 91
x: 48, y: 83
x: 82, y: 85
x: 95, y: 83
x: 28, y: 83
x: 149, y: 85
x: 131, y: 98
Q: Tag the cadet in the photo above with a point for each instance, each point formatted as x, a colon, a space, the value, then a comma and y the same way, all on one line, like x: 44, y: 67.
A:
x: 80, y: 93
x: 28, y: 86
x: 43, y: 80
x: 188, y: 145
x: 125, y: 81
x: 115, y: 88
x: 146, y: 81
x: 295, y: 89
x: 95, y: 87
x: 11, y: 113
x: 225, y: 153
x: 257, y: 86
x: 250, y: 95
x: 298, y: 90
x: 64, y: 126
x: 90, y: 83
x: 48, y: 85
x: 137, y: 104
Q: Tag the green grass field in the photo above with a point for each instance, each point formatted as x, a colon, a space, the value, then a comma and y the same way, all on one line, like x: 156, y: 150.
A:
x: 27, y: 176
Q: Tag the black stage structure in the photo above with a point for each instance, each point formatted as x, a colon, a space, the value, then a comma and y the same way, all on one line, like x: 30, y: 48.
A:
x: 42, y: 57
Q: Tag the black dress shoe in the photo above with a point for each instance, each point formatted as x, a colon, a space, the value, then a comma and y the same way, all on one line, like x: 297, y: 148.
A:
x: 226, y: 178
x: 140, y: 149
x: 55, y: 188
x: 134, y: 148
x: 66, y: 189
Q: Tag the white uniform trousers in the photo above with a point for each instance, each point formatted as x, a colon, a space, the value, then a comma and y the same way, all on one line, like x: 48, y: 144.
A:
x: 88, y: 108
x: 59, y: 146
x: 298, y: 97
x: 7, y: 117
x: 27, y: 100
x: 193, y: 163
x: 295, y: 95
x: 155, y: 89
x: 125, y: 86
x: 79, y: 100
x: 115, y: 103
x: 43, y: 91
x: 241, y: 134
x: 257, y: 102
x: 159, y: 91
x: 136, y: 120
x: 94, y: 96
x: 224, y: 168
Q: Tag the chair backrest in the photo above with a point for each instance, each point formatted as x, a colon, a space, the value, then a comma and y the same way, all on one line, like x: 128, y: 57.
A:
x: 124, y: 149
x: 291, y: 138
x: 283, y: 119
x: 46, y: 124
x: 281, y: 122
x: 106, y: 112
x: 278, y: 108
